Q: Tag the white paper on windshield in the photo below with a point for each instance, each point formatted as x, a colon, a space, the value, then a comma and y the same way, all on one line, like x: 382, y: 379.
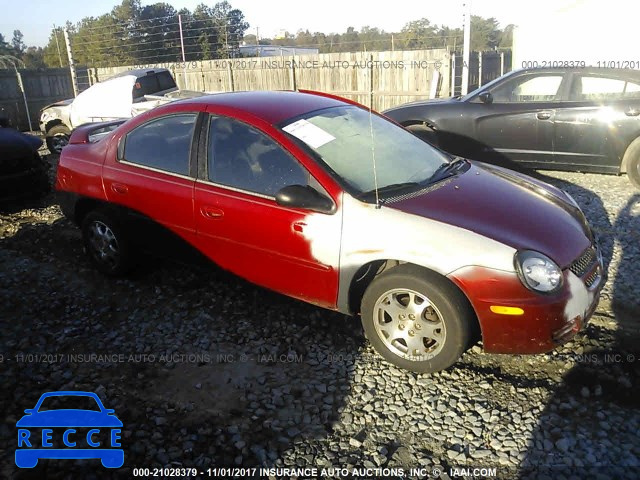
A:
x: 313, y: 136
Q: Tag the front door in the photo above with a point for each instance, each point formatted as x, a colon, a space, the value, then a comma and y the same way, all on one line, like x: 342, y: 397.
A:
x: 519, y: 124
x: 242, y: 228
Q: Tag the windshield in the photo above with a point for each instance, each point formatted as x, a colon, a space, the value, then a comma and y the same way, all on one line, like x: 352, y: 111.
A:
x: 486, y: 86
x: 348, y: 138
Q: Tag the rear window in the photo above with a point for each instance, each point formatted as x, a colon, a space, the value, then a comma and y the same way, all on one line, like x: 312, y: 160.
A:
x: 166, y: 81
x: 154, y: 83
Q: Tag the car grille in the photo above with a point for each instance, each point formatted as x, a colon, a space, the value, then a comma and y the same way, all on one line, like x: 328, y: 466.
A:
x: 591, y: 279
x: 583, y: 262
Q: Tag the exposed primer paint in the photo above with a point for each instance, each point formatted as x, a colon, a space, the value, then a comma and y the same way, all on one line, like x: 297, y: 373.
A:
x: 370, y: 233
x: 580, y: 300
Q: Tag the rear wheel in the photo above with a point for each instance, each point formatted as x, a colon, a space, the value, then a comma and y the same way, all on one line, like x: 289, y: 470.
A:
x: 416, y: 319
x: 106, y: 243
x: 57, y: 138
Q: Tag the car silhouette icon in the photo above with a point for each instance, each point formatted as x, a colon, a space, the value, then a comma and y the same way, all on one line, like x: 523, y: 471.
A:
x: 50, y: 413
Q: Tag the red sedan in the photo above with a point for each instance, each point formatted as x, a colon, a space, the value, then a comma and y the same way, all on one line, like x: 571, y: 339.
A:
x: 321, y: 199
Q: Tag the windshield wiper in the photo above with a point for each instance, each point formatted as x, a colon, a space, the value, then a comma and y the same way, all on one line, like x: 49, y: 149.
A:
x: 447, y: 169
x: 394, y: 187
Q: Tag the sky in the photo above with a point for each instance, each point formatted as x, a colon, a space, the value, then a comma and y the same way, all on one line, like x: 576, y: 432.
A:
x: 35, y: 18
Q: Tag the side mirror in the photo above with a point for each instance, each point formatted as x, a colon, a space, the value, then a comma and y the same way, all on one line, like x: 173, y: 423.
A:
x: 109, y: 411
x: 29, y: 411
x: 486, y: 97
x: 299, y: 196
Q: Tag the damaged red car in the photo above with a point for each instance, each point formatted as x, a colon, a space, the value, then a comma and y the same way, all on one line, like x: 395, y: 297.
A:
x: 318, y: 198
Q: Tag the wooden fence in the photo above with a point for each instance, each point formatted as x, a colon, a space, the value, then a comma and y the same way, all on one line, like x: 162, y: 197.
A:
x: 41, y: 87
x: 377, y: 79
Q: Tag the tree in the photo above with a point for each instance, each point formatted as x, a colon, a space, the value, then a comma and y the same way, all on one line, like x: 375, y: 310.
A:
x: 418, y: 34
x: 506, y: 37
x: 17, y: 43
x: 54, y: 54
x: 485, y: 34
x: 5, y: 48
x: 33, y: 57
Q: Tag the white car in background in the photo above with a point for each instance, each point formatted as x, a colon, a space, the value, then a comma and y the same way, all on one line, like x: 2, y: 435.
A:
x: 123, y: 96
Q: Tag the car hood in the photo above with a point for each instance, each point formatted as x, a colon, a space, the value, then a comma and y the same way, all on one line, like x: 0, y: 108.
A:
x: 418, y: 103
x: 61, y: 103
x: 507, y: 207
x: 69, y: 418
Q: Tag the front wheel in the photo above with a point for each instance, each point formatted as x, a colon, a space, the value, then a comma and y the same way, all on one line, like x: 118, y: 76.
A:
x: 417, y: 319
x: 106, y: 243
x: 632, y: 158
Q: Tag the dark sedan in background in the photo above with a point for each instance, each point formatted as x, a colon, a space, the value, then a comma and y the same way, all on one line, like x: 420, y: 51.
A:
x: 583, y: 119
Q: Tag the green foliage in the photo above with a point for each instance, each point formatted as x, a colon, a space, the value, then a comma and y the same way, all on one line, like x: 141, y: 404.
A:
x: 133, y: 34
x: 416, y: 35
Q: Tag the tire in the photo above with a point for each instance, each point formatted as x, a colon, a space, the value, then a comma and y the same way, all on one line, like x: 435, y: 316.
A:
x: 106, y: 243
x: 424, y: 133
x: 57, y: 138
x: 439, y: 332
x: 632, y: 162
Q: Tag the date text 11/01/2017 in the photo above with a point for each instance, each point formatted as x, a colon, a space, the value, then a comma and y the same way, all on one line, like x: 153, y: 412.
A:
x: 619, y: 64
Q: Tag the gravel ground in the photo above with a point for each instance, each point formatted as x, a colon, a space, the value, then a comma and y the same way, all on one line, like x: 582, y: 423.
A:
x: 206, y: 370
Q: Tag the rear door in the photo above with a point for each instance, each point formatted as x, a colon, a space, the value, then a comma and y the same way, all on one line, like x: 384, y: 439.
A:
x: 519, y: 123
x: 153, y: 177
x: 242, y: 228
x: 599, y: 119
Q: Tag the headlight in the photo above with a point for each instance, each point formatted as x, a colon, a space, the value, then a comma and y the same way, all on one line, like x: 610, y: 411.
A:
x: 538, y: 272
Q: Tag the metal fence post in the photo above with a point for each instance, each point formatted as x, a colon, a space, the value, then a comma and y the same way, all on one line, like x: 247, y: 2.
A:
x: 231, y: 82
x: 453, y: 73
x: 24, y: 97
x: 480, y: 69
x: 72, y: 66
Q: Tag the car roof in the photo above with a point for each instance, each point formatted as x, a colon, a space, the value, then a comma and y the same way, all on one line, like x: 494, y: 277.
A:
x: 139, y: 72
x: 615, y: 72
x: 271, y: 106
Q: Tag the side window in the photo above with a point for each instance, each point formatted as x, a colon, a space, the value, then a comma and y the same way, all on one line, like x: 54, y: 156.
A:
x: 603, y: 88
x: 542, y: 88
x: 242, y: 157
x: 164, y: 144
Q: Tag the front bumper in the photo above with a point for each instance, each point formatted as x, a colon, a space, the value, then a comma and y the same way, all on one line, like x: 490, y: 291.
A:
x: 547, y: 320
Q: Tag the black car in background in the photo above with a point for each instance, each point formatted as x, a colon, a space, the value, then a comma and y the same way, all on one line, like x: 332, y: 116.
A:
x: 582, y: 119
x: 23, y: 173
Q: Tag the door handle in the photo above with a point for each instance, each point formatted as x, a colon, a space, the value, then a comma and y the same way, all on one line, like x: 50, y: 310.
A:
x: 632, y: 112
x: 120, y: 188
x: 544, y: 115
x: 299, y: 226
x: 211, y: 212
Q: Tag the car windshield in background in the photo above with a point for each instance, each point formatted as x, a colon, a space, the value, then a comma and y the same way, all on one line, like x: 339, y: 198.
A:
x: 486, y: 86
x: 349, y: 138
x: 100, y: 133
